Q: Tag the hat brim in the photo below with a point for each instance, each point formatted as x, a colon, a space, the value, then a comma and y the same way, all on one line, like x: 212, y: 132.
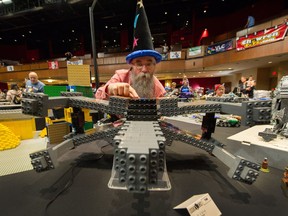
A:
x: 142, y: 53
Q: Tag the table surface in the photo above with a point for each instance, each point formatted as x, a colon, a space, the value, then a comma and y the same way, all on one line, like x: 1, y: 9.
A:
x: 250, y: 136
x: 79, y: 185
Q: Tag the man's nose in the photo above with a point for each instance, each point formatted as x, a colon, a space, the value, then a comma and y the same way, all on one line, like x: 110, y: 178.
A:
x: 144, y: 68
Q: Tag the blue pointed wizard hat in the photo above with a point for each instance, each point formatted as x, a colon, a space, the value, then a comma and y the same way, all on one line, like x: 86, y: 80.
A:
x: 142, y: 40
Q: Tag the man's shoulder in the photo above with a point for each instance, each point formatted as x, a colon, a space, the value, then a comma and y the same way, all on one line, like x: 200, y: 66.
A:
x: 158, y: 83
x: 28, y: 82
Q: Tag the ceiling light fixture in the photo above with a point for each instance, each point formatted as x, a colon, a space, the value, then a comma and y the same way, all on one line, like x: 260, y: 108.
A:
x: 74, y: 1
x: 6, y: 1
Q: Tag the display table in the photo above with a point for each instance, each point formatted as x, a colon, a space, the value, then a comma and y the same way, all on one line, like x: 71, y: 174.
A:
x: 276, y: 150
x: 83, y: 175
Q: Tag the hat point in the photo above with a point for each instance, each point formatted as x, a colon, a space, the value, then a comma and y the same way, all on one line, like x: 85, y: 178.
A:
x: 142, y: 39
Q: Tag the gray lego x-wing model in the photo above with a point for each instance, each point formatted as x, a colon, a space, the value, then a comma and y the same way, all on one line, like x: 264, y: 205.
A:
x: 279, y: 118
x: 139, y: 142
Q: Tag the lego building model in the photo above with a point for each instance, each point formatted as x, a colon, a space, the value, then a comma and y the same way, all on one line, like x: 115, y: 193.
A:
x: 139, y: 141
x: 279, y: 118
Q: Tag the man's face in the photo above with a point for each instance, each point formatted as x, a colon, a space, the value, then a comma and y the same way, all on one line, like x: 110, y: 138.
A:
x: 33, y: 78
x: 220, y: 91
x: 142, y: 76
x: 143, y: 65
x: 185, y: 83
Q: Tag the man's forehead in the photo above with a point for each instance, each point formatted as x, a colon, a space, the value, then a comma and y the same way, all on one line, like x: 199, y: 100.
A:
x: 144, y: 59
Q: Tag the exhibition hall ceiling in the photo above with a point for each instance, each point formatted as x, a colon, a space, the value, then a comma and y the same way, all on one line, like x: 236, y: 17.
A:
x: 21, y: 13
x: 59, y: 19
x: 45, y: 16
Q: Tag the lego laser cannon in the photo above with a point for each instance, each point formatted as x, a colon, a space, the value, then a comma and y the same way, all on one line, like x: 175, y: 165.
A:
x: 139, y: 142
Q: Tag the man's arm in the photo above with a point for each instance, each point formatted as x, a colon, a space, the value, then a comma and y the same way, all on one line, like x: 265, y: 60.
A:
x: 9, y: 96
x: 117, y: 85
x: 120, y: 89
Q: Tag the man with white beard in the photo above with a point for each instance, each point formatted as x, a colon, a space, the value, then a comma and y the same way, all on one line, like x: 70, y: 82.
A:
x: 139, y: 81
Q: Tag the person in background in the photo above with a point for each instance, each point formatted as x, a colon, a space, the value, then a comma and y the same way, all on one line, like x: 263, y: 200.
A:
x: 185, y: 87
x: 138, y: 81
x: 174, y: 91
x: 250, y: 88
x: 185, y: 90
x: 219, y: 90
x: 168, y: 89
x: 165, y: 48
x: 250, y: 22
x: 2, y: 94
x: 209, y: 91
x: 68, y: 56
x: 243, y: 85
x: 14, y: 95
x: 250, y: 81
x: 33, y: 84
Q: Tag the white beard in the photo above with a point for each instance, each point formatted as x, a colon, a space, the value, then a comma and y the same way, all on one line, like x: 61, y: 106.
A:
x: 143, y: 84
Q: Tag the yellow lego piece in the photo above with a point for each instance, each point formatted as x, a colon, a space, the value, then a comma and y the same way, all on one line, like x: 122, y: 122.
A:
x: 24, y: 128
x: 48, y: 121
x: 43, y: 133
x: 8, y: 139
x: 87, y: 116
x: 67, y: 114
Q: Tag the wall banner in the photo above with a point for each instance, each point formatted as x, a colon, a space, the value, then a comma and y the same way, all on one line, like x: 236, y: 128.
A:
x: 175, y: 55
x: 53, y: 65
x: 265, y: 36
x: 219, y: 47
x: 78, y: 62
x: 193, y: 51
x: 10, y: 68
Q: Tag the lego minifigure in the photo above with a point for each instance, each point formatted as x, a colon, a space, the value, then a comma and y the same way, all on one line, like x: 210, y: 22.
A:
x: 264, y: 166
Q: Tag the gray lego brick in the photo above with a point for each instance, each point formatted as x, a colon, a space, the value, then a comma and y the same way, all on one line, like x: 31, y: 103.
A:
x: 139, y: 163
x: 240, y: 169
